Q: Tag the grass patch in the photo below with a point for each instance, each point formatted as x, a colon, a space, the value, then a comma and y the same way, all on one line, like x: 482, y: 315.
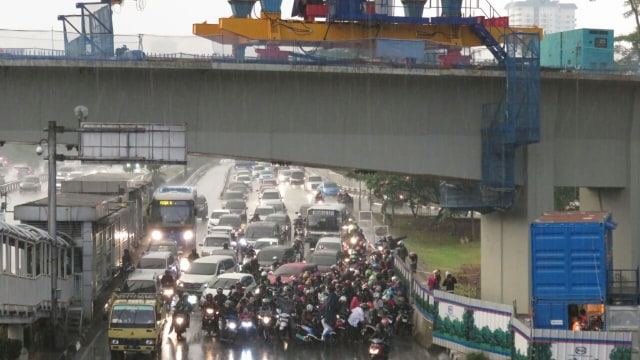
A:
x: 439, y: 246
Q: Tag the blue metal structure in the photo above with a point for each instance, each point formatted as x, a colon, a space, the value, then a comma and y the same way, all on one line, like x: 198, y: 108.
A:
x: 94, y: 35
x: 506, y: 126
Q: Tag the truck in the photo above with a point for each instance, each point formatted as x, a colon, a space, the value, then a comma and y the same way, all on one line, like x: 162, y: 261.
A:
x: 136, y: 324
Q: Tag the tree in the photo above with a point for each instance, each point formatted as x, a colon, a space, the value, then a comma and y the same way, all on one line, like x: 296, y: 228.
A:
x: 630, y: 56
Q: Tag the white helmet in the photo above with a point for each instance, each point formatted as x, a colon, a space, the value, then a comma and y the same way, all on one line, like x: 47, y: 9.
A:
x: 343, y: 299
x: 309, y: 307
x: 264, y: 273
x: 400, y: 243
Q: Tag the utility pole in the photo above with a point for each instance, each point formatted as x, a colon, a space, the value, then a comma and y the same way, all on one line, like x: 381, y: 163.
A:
x: 52, y: 218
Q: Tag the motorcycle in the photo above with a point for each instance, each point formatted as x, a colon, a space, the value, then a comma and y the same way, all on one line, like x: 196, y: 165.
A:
x: 283, y: 324
x: 228, y: 328
x: 266, y: 323
x: 298, y: 247
x: 378, y: 349
x: 404, y: 324
x: 307, y: 333
x: 340, y: 328
x: 180, y: 324
x: 208, y: 320
x: 246, y: 323
x: 168, y: 296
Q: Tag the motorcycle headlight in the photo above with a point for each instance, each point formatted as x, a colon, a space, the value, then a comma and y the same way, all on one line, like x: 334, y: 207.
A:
x: 156, y: 235
x: 374, y: 351
x: 192, y: 299
x: 167, y: 292
x: 179, y: 320
x: 115, y: 342
x: 243, y: 242
x: 184, y: 264
x: 209, y: 311
x: 354, y: 240
x: 380, y: 248
x: 149, y: 342
x: 266, y: 320
x: 188, y: 235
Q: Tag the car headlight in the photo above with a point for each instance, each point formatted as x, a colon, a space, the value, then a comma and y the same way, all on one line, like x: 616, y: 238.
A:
x: 179, y: 282
x: 188, y: 235
x: 149, y: 342
x: 247, y: 324
x: 232, y: 325
x: 115, y: 342
x: 156, y: 235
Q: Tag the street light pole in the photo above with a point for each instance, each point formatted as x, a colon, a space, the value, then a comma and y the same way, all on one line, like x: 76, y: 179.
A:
x: 52, y: 218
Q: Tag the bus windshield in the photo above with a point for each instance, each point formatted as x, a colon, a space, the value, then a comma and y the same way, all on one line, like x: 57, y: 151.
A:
x: 172, y: 212
x: 323, y: 220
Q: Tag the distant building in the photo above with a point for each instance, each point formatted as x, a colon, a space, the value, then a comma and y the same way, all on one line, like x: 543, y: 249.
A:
x: 550, y: 15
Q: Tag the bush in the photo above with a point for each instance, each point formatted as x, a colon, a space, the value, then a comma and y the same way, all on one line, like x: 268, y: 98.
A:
x: 477, y: 356
x: 10, y: 349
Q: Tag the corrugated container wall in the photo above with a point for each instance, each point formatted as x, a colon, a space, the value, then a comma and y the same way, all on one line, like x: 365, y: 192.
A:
x: 571, y: 256
x: 583, y: 49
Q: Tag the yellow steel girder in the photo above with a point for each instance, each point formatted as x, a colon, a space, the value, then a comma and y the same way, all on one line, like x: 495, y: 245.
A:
x: 231, y: 30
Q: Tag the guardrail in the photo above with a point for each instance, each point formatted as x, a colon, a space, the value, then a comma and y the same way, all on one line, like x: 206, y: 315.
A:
x: 15, y: 185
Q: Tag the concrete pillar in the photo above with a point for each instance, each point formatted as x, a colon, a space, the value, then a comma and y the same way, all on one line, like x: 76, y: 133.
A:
x: 88, y: 270
x: 623, y: 203
x: 505, y: 251
x: 619, y: 203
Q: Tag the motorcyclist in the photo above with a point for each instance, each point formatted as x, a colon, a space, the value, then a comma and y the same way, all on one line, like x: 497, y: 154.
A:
x: 298, y: 222
x: 219, y: 298
x: 208, y: 303
x: 167, y: 279
x: 298, y: 246
x: 276, y: 263
x: 183, y: 306
x: 255, y: 217
x: 193, y: 256
x: 319, y: 196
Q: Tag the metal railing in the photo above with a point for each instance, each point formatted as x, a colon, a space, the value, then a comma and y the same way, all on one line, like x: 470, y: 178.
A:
x: 15, y: 184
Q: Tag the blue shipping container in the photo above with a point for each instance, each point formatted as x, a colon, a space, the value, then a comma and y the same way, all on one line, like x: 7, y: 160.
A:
x: 571, y: 256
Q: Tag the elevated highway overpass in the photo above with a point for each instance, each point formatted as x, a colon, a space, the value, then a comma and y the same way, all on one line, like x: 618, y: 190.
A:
x: 412, y: 121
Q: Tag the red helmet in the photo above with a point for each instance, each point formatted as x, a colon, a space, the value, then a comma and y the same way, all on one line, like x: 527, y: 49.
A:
x: 385, y: 321
x: 370, y: 305
x: 347, y: 283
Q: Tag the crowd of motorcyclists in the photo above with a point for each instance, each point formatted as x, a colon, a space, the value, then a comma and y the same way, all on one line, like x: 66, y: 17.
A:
x: 358, y: 300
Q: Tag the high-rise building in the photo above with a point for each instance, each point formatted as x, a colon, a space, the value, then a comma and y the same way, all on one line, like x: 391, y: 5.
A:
x: 551, y: 15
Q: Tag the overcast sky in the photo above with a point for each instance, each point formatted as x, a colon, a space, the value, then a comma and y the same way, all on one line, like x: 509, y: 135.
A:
x: 165, y: 17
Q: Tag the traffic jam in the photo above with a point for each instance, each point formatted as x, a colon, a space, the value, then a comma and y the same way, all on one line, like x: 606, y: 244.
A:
x: 259, y: 274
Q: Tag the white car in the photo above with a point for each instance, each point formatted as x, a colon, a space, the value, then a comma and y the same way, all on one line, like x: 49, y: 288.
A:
x: 270, y: 196
x: 204, y: 270
x: 264, y: 242
x: 312, y: 182
x: 214, y: 219
x: 214, y: 241
x: 225, y: 281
